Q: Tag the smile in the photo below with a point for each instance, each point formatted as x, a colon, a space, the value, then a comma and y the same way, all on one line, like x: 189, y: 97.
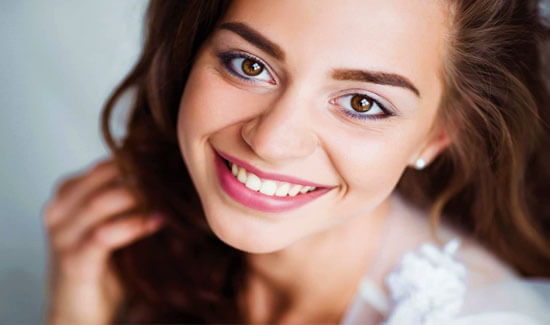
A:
x: 267, y: 186
x: 261, y: 190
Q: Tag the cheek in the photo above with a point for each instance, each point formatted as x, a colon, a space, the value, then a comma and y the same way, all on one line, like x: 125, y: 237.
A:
x: 210, y: 103
x: 372, y: 161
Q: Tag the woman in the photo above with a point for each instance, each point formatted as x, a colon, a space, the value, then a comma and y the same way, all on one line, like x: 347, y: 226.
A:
x: 282, y: 157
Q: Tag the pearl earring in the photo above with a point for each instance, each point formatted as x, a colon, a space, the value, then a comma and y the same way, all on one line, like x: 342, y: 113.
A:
x: 420, y: 163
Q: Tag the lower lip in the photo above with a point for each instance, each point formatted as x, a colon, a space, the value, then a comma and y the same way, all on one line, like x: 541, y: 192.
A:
x: 259, y: 201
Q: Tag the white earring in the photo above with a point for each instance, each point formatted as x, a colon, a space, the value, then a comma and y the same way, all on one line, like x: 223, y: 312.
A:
x: 419, y: 163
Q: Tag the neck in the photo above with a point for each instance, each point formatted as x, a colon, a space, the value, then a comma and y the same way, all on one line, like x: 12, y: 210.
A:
x: 317, y: 272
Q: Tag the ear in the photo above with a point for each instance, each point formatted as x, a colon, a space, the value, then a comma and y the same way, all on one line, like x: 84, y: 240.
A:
x: 436, y: 141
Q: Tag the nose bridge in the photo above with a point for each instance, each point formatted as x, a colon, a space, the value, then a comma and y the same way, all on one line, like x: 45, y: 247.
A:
x: 282, y: 130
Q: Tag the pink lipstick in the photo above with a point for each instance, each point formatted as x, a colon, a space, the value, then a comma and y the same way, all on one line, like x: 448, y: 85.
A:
x: 257, y: 200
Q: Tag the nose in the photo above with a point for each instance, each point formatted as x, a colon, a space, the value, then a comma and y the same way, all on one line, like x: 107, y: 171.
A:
x: 282, y: 131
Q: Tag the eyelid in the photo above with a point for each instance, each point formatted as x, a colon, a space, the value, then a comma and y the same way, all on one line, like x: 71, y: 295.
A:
x: 231, y: 54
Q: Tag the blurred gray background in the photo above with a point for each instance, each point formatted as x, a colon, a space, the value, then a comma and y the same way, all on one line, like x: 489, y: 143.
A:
x: 59, y: 61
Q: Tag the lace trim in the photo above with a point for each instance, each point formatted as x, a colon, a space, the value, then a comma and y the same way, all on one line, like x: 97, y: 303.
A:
x: 428, y: 287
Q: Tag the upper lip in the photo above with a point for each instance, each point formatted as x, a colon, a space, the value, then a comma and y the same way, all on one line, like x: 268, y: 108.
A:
x: 267, y: 175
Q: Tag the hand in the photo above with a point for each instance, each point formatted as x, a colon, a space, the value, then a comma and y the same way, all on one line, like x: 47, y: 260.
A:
x: 90, y: 216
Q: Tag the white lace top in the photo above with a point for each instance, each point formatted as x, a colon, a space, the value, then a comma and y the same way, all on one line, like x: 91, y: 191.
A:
x: 458, y: 283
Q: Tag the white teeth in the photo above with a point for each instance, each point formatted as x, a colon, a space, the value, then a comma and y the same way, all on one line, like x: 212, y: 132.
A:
x: 294, y: 190
x: 241, y: 176
x: 282, y: 190
x: 253, y: 182
x: 307, y: 189
x: 268, y: 187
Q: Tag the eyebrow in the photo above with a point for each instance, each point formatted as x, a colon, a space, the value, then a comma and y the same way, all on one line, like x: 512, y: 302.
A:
x: 254, y: 37
x: 382, y: 78
x: 260, y: 41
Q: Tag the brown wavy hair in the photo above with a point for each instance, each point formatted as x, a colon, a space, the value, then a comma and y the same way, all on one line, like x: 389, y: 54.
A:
x: 493, y: 180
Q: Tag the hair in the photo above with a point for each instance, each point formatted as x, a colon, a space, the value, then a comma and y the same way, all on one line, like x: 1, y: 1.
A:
x: 492, y: 180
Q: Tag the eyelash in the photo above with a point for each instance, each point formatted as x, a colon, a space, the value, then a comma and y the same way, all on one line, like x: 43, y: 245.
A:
x: 358, y: 116
x: 226, y: 57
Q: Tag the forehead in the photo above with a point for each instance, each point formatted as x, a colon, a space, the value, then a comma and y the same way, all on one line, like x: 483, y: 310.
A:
x: 396, y: 36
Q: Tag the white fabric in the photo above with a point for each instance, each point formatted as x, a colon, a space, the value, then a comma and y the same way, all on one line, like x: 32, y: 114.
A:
x: 428, y: 286
x: 415, y: 281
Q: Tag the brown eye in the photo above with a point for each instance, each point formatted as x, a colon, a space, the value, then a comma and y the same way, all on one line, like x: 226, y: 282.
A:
x: 361, y: 103
x: 251, y: 67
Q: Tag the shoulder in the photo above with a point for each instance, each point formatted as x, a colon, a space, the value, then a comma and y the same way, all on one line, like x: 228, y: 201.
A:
x: 484, y: 267
x: 499, y: 317
x: 511, y: 300
x: 496, y: 293
x: 466, y: 282
x: 463, y: 285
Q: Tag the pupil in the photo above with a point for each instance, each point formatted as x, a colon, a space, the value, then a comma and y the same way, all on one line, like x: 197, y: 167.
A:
x: 251, y: 68
x: 361, y: 103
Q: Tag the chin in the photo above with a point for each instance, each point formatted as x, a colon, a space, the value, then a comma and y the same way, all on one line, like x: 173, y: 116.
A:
x: 248, y: 233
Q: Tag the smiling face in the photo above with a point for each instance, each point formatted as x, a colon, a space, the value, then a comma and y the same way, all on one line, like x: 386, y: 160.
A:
x: 340, y: 96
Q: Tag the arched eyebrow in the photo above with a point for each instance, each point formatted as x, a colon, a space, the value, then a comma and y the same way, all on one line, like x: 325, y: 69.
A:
x: 260, y: 41
x: 382, y: 78
x: 255, y: 38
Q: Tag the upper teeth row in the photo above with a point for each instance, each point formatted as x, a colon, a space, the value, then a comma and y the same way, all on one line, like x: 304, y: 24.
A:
x: 267, y: 186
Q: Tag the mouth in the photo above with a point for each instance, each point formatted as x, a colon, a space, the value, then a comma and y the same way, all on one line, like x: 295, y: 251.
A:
x: 264, y: 191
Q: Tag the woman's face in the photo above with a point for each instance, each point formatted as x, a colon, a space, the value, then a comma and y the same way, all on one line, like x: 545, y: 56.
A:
x: 341, y: 95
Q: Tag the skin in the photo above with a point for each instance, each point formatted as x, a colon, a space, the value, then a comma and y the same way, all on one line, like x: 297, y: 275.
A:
x: 287, y: 122
x: 82, y: 234
x: 292, y: 126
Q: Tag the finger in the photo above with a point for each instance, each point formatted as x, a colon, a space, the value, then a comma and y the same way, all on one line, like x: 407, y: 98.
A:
x: 100, y: 175
x: 107, y: 204
x: 90, y: 259
x: 68, y: 183
x: 48, y: 210
x: 122, y: 232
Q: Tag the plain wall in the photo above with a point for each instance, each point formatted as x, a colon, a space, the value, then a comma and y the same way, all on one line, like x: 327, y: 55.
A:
x: 59, y: 62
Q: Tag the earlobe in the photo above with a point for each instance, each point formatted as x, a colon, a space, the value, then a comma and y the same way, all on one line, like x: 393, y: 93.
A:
x: 436, y: 144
